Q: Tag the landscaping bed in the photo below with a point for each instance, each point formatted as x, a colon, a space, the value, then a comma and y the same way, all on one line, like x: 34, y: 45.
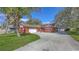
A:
x: 10, y: 42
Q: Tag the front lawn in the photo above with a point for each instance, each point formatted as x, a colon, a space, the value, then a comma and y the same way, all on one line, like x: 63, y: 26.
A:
x: 10, y: 42
x: 74, y: 34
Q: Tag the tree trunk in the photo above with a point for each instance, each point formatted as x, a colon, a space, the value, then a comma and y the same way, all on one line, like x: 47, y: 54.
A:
x: 17, y: 26
x: 17, y: 32
x: 7, y: 24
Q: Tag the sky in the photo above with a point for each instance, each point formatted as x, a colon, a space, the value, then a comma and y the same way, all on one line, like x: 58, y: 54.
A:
x: 44, y: 14
x: 2, y: 18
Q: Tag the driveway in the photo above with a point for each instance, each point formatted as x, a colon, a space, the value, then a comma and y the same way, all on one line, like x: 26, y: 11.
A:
x: 52, y: 42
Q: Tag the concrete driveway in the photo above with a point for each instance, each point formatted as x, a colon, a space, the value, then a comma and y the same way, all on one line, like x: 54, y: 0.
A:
x: 52, y: 42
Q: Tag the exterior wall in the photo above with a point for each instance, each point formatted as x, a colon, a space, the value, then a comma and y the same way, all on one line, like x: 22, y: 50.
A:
x: 27, y: 29
x: 44, y: 28
x: 48, y: 28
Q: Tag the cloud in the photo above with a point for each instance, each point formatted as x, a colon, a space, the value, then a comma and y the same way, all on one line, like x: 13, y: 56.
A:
x: 46, y: 22
x: 25, y: 20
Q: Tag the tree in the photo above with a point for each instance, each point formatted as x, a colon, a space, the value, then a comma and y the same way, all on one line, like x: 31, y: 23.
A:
x: 17, y: 13
x: 34, y: 22
x: 69, y: 18
x: 63, y: 18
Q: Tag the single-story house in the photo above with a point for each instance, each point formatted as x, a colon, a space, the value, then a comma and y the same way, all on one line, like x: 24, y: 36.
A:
x: 38, y: 28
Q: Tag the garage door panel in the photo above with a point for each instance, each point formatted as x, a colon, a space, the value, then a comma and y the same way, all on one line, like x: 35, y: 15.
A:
x: 32, y: 30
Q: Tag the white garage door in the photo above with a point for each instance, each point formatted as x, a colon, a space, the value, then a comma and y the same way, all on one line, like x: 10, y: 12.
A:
x: 31, y: 30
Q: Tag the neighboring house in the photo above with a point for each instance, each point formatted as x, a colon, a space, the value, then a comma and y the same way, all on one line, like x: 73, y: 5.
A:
x: 11, y: 28
x: 2, y: 31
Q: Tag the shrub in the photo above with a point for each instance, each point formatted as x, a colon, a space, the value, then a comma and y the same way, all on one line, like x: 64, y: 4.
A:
x: 68, y: 29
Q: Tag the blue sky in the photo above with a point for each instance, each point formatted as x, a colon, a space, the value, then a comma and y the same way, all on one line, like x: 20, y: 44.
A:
x: 2, y: 18
x: 45, y: 14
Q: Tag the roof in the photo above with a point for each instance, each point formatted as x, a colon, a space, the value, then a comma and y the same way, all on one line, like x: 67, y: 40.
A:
x: 44, y: 25
x: 33, y: 25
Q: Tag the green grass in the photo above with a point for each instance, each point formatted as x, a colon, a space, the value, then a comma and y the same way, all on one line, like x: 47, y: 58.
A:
x: 74, y: 34
x: 10, y: 42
